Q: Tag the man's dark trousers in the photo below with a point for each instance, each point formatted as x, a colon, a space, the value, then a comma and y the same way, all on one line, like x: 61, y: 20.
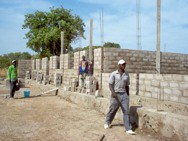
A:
x: 12, y: 88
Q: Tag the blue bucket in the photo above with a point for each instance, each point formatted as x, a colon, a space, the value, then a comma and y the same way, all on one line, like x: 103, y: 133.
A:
x: 26, y: 94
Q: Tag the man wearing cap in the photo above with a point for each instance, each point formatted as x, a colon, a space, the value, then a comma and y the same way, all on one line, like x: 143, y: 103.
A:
x: 12, y: 77
x: 119, y: 86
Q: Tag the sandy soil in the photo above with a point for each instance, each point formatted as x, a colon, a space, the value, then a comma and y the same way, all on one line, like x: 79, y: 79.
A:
x: 50, y: 118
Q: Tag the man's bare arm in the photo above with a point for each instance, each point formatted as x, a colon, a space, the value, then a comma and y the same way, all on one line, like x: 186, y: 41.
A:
x: 112, y: 90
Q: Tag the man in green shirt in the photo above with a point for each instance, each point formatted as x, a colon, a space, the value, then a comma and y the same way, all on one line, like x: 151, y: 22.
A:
x: 12, y: 77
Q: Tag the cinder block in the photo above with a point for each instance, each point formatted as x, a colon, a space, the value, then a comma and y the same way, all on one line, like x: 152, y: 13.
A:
x: 174, y: 98
x: 28, y: 75
x: 167, y: 77
x: 155, y: 83
x: 167, y: 91
x: 185, y: 78
x: 183, y: 86
x: 164, y: 84
x: 39, y: 77
x: 158, y: 76
x: 79, y: 89
x: 73, y: 89
x: 142, y: 88
x: 83, y: 90
x: 34, y: 75
x: 148, y: 94
x: 46, y: 79
x: 154, y: 94
x: 67, y: 88
x: 177, y: 92
x: 185, y: 93
x: 147, y: 83
x: 75, y: 80
x: 177, y: 77
x: 150, y: 76
x: 141, y: 93
x: 149, y: 89
x: 141, y: 82
x: 184, y: 100
x: 174, y: 85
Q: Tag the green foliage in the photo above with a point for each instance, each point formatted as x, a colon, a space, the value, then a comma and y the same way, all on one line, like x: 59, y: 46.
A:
x: 6, y: 59
x: 111, y: 45
x: 44, y: 35
x: 106, y: 45
x: 4, y: 62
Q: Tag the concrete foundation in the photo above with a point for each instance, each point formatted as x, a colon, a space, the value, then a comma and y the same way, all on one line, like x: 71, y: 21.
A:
x: 163, y: 123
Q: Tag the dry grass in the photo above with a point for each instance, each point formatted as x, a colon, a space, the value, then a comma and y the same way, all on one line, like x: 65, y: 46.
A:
x: 3, y: 72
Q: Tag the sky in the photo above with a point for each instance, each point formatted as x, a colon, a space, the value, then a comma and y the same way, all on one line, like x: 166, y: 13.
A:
x: 119, y: 18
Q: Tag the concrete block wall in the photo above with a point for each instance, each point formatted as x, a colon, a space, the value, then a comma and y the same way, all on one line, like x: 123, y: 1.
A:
x: 52, y: 74
x: 65, y: 60
x: 105, y: 85
x: 140, y: 61
x: 68, y: 75
x: 76, y: 59
x: 71, y: 66
x: 173, y: 63
x: 23, y: 66
x: 168, y: 87
x: 45, y: 65
x: 137, y: 61
x: 98, y: 66
x: 38, y: 64
x: 54, y: 62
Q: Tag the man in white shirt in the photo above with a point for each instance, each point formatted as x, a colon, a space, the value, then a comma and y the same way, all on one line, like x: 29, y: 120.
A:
x: 119, y: 86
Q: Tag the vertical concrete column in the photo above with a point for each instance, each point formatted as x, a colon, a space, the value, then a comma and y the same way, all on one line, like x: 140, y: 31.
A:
x: 102, y: 67
x: 91, y: 40
x: 62, y: 42
x: 158, y: 53
x: 62, y: 66
x: 61, y: 61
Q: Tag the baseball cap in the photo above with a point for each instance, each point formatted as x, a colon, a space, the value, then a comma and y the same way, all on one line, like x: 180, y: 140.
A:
x: 121, y: 62
x: 13, y: 61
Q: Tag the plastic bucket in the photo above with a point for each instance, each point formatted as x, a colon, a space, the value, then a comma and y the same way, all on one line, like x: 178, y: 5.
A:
x: 26, y: 94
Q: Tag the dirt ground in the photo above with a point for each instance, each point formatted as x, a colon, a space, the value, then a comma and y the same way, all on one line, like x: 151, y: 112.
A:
x: 50, y: 118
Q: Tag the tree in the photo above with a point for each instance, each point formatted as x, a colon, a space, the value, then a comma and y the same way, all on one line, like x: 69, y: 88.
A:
x: 109, y: 45
x: 44, y: 35
x: 106, y: 45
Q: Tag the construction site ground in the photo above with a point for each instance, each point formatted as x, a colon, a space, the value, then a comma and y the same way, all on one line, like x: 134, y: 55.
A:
x: 50, y: 118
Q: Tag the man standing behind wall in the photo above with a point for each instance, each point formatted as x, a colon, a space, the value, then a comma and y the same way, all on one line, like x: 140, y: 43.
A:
x: 83, y: 70
x: 12, y: 78
x: 119, y: 86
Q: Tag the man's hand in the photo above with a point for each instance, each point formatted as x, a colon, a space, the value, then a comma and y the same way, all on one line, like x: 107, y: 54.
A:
x: 114, y: 94
x: 112, y: 90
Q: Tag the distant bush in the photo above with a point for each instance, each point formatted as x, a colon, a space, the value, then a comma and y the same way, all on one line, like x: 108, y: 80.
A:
x: 6, y: 59
x: 3, y: 72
